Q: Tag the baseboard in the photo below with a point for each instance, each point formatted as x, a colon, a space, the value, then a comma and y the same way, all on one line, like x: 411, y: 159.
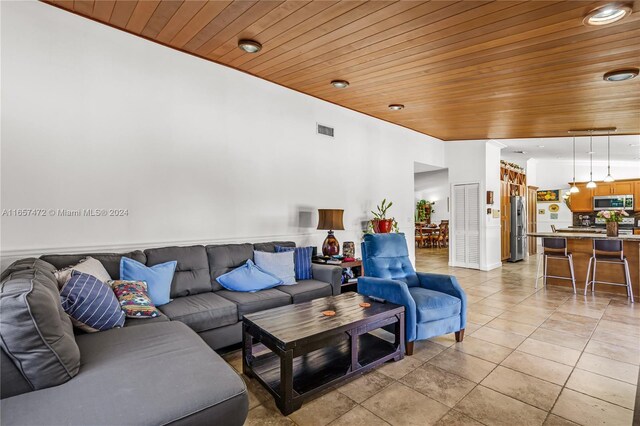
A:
x: 491, y: 266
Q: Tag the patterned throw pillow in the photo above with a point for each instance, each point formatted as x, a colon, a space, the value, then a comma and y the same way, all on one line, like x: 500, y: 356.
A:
x: 90, y: 303
x: 301, y: 259
x: 134, y: 299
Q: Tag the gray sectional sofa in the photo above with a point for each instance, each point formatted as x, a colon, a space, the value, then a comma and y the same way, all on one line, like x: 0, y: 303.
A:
x: 151, y: 371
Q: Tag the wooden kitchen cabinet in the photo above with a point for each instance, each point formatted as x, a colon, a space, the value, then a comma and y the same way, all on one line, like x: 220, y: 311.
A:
x: 582, y: 202
x: 603, y: 189
x: 614, y: 188
x: 623, y: 188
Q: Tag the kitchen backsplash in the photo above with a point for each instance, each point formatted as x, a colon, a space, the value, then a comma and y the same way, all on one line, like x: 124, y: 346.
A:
x: 589, y: 219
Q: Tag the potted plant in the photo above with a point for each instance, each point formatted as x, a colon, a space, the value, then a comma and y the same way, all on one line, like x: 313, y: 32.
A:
x: 612, y: 218
x: 424, y: 209
x: 380, y: 223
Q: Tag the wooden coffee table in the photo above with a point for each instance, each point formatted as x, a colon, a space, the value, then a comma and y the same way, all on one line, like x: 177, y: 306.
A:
x: 309, y: 351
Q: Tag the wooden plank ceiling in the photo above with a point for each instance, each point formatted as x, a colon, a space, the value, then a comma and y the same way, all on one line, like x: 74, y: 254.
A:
x: 463, y: 69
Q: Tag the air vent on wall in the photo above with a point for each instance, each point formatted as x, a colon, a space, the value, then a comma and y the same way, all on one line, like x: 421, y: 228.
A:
x: 325, y: 130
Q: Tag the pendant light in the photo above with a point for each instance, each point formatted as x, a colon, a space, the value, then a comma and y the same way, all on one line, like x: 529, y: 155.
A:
x: 591, y: 183
x: 609, y: 178
x: 574, y: 189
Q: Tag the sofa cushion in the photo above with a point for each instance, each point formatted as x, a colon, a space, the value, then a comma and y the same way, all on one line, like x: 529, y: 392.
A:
x: 202, y: 311
x: 165, y: 365
x: 35, y: 332
x: 258, y: 301
x: 48, y: 270
x: 192, y: 273
x: 132, y: 322
x: 12, y: 381
x: 306, y: 290
x: 224, y: 258
x: 270, y: 247
x: 110, y: 261
x: 432, y: 305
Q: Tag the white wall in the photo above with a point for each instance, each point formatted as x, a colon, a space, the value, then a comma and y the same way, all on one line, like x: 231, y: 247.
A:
x: 196, y: 152
x: 479, y: 161
x: 434, y: 186
x: 557, y: 174
x: 493, y: 248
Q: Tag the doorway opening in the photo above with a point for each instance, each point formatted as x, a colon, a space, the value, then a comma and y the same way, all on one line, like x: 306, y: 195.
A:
x: 432, y: 211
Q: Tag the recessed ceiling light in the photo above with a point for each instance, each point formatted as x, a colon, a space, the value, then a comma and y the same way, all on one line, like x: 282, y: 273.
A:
x: 519, y: 152
x: 250, y: 46
x: 591, y: 152
x: 607, y: 14
x: 634, y: 144
x: 621, y: 75
x: 396, y: 107
x: 540, y: 146
x: 340, y: 84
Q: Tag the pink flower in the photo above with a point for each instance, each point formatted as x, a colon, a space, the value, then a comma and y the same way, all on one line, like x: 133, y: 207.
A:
x: 606, y: 214
x: 624, y: 213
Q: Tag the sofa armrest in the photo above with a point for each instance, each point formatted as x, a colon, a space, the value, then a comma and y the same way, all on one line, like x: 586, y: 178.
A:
x: 393, y: 291
x: 329, y: 274
x: 447, y: 284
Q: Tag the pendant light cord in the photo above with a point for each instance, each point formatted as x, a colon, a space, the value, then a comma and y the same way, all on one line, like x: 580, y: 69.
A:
x: 591, y: 156
x: 608, y: 153
x: 574, y: 161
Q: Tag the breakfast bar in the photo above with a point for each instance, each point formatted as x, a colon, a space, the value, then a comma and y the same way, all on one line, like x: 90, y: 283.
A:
x: 580, y: 245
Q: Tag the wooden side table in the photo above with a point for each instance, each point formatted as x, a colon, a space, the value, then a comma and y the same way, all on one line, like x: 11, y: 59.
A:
x: 356, y: 267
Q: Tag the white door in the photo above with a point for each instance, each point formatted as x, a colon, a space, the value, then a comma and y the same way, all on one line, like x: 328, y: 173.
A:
x: 466, y: 225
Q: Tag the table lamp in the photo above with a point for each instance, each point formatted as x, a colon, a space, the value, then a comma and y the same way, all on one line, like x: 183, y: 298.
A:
x: 330, y: 219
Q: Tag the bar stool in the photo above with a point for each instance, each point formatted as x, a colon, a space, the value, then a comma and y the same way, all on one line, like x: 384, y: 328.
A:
x: 555, y: 248
x: 608, y: 251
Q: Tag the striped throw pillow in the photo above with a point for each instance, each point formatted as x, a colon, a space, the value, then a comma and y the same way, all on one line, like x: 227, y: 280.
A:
x: 90, y: 303
x: 301, y: 260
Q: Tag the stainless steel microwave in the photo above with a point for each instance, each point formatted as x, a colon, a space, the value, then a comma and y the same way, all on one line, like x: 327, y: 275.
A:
x: 613, y: 202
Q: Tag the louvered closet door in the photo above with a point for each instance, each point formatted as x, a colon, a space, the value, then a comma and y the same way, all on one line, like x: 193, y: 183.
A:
x: 460, y: 253
x: 467, y: 225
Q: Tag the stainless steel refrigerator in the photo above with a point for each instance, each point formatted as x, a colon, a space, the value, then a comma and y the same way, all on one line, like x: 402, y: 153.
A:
x: 518, y: 229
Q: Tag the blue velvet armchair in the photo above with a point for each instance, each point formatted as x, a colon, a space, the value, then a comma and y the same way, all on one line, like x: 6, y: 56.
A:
x: 434, y: 304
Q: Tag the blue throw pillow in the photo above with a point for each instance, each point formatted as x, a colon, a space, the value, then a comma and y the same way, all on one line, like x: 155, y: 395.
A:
x: 301, y: 259
x: 90, y: 303
x: 248, y: 278
x: 280, y: 265
x: 157, y: 277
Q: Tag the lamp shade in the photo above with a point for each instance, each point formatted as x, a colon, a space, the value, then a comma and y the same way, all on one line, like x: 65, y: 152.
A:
x: 330, y: 219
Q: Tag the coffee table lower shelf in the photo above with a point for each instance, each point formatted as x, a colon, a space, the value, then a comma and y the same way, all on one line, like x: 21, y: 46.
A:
x: 324, y: 367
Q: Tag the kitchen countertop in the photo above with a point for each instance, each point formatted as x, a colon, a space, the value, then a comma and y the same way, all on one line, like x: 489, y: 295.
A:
x: 583, y: 229
x: 583, y: 236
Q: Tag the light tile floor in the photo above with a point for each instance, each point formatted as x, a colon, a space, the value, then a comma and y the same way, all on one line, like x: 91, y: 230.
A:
x: 530, y: 357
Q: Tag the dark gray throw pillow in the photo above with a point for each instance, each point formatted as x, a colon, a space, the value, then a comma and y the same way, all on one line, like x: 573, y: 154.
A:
x: 35, y: 332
